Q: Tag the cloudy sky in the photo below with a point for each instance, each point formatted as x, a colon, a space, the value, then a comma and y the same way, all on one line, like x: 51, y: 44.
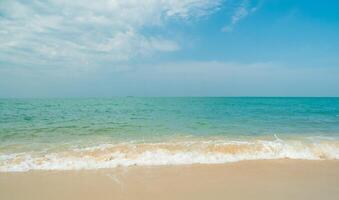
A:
x: 102, y: 48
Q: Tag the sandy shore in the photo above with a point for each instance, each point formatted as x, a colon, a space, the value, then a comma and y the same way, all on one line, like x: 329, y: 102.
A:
x: 278, y: 179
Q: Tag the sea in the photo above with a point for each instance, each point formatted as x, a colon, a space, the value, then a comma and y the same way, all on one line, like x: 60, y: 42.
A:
x: 96, y: 133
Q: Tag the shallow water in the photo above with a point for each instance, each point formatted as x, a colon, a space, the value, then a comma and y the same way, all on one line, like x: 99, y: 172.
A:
x: 103, y: 133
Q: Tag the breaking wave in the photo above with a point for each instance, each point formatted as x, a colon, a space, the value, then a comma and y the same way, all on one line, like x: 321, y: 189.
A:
x: 168, y: 153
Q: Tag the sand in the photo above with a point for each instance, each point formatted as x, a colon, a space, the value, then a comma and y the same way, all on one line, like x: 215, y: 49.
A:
x: 268, y: 179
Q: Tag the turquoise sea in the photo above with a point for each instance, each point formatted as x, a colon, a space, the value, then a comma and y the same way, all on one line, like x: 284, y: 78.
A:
x: 47, y: 134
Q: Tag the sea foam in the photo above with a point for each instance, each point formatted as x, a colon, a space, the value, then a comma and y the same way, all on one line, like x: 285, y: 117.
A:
x: 168, y: 153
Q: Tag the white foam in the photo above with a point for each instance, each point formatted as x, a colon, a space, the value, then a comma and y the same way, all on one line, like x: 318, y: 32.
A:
x: 176, y: 153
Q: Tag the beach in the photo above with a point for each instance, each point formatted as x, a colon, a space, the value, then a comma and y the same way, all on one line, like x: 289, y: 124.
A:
x: 169, y: 100
x: 264, y: 179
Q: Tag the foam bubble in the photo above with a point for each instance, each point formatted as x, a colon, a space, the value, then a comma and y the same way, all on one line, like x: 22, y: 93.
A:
x: 169, y: 153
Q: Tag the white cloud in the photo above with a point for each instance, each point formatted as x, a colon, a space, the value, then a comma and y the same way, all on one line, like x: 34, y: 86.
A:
x: 189, y: 78
x: 87, y: 31
x: 241, y: 12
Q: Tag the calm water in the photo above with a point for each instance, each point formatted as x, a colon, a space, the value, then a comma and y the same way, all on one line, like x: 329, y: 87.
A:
x: 38, y: 128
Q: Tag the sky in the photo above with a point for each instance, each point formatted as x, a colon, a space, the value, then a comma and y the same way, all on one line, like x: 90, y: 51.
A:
x: 105, y: 48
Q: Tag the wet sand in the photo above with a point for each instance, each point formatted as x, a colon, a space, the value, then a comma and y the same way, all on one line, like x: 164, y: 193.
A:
x: 267, y: 179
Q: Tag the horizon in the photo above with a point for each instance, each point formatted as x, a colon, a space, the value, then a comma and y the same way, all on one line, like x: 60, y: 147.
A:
x: 112, y: 97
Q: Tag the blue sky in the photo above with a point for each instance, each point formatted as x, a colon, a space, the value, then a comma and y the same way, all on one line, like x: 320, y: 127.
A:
x: 84, y: 48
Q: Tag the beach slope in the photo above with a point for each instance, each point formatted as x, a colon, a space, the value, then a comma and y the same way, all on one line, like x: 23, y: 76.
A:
x: 266, y: 179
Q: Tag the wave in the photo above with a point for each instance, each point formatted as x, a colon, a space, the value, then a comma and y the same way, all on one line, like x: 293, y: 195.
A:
x: 168, y: 153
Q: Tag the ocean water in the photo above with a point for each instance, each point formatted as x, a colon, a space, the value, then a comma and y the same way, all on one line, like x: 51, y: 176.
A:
x: 63, y: 134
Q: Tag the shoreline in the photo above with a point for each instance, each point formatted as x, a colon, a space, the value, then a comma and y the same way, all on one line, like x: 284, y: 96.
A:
x: 189, y: 152
x: 257, y: 179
